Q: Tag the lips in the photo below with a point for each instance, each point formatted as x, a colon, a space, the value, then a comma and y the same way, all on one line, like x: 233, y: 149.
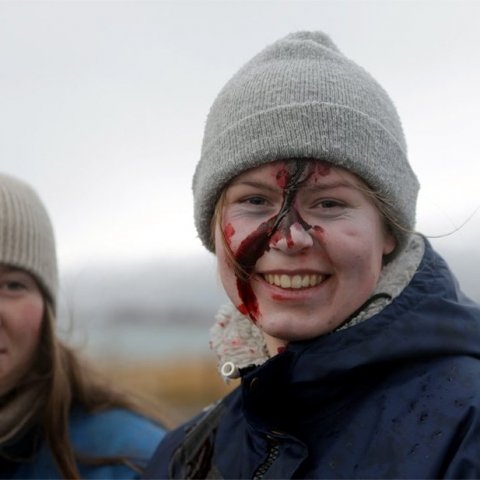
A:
x: 294, y: 282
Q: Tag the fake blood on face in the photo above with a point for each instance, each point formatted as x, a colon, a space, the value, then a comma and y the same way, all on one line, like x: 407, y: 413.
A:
x: 322, y: 169
x: 276, y: 228
x: 228, y: 232
x: 283, y: 230
x: 254, y: 246
x: 249, y: 251
x: 318, y: 232
x: 282, y: 177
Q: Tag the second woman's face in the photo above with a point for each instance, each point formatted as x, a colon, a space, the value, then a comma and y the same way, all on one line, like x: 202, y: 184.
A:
x: 21, y: 314
x: 310, y: 242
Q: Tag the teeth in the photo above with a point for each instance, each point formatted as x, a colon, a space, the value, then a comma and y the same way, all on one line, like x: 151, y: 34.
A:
x: 296, y: 281
x: 293, y: 281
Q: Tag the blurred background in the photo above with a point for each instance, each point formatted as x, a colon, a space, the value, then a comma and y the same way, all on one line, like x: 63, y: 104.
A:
x: 102, y: 109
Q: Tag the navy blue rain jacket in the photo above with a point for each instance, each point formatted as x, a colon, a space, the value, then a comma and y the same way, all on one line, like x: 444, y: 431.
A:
x: 396, y: 396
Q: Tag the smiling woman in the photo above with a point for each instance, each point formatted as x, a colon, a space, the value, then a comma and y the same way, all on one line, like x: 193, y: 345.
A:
x: 359, y: 356
x: 21, y: 313
x: 58, y: 419
x: 317, y: 252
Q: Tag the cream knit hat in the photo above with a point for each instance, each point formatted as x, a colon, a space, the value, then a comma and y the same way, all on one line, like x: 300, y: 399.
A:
x: 302, y: 98
x: 26, y: 234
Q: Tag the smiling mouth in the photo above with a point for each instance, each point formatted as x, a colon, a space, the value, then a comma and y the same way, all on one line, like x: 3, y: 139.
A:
x: 294, y: 282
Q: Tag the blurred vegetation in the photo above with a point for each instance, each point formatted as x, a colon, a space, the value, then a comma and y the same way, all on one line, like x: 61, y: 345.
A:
x: 179, y: 387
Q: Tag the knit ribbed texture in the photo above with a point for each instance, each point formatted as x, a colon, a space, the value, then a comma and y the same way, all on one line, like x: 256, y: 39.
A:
x: 301, y: 98
x: 26, y: 233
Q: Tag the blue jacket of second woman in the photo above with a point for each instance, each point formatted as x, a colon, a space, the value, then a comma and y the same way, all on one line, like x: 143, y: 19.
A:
x: 395, y: 396
x: 108, y: 433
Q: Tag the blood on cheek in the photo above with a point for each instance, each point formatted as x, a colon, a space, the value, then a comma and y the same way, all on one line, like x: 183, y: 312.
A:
x: 228, y: 233
x: 246, y: 256
x: 319, y: 233
x: 269, y: 233
x: 254, y: 246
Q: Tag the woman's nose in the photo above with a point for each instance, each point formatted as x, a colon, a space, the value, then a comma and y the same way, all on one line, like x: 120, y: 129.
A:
x: 292, y: 240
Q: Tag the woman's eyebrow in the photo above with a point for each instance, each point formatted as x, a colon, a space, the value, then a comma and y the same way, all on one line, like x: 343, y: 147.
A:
x: 256, y: 184
x: 8, y: 269
x: 328, y: 186
x: 321, y: 185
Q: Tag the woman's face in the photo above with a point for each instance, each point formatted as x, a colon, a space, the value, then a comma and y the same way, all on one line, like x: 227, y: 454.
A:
x: 310, y: 241
x: 21, y: 314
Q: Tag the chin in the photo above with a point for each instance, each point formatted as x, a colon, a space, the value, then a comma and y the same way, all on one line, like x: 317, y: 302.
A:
x: 288, y: 331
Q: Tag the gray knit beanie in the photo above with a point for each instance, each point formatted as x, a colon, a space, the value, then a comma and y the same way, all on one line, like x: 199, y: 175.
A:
x: 302, y: 98
x: 26, y: 234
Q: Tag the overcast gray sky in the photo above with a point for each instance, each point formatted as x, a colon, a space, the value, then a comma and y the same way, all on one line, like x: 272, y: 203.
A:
x: 102, y: 106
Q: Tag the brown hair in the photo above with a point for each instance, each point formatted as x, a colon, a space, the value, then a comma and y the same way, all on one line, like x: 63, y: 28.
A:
x: 69, y: 381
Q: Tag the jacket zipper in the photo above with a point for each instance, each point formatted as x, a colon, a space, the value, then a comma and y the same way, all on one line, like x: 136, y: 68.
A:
x: 273, y: 451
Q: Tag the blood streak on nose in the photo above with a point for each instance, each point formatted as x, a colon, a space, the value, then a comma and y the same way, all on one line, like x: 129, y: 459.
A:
x: 258, y: 242
x: 284, y: 229
x: 253, y: 247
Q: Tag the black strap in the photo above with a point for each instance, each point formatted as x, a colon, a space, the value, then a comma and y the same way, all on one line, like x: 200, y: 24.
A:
x: 193, y: 458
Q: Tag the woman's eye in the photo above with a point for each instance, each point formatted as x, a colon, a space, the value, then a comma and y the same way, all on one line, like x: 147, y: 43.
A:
x: 255, y: 201
x: 330, y: 204
x: 13, y: 285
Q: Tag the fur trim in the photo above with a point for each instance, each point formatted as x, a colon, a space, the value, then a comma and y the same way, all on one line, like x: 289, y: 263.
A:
x: 237, y: 342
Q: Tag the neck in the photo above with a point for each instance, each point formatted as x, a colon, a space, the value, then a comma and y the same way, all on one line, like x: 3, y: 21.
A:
x: 274, y: 345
